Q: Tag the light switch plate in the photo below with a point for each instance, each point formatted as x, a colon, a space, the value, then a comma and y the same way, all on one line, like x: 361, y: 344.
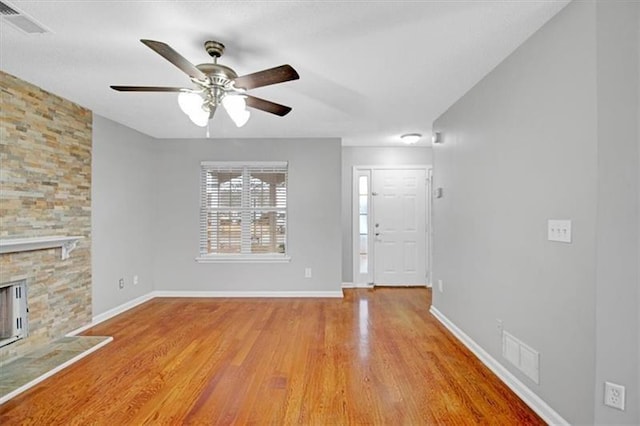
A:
x: 559, y: 230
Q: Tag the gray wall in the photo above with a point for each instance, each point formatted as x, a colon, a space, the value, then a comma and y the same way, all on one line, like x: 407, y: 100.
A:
x: 617, y: 227
x: 313, y: 210
x: 369, y: 156
x: 146, y: 212
x: 547, y: 134
x: 122, y: 213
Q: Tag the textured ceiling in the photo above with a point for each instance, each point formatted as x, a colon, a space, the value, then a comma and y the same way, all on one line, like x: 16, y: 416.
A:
x: 369, y: 70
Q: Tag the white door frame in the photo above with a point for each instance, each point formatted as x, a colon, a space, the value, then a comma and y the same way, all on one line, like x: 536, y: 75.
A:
x: 366, y: 280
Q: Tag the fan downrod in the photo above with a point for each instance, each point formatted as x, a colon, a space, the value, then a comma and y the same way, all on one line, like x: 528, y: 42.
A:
x: 215, y: 49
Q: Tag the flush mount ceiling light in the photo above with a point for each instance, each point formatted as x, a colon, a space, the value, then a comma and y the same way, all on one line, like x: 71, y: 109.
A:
x: 217, y: 84
x: 410, y: 138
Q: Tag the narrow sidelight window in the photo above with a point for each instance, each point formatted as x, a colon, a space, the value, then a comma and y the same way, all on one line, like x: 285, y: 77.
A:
x: 363, y: 212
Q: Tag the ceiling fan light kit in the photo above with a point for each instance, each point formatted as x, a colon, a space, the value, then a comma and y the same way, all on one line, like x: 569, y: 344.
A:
x: 216, y: 85
x: 236, y: 107
x: 192, y: 104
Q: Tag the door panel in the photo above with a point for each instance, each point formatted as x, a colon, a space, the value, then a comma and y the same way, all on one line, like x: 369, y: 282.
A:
x: 388, y: 252
x: 399, y: 212
x: 410, y: 256
x: 409, y: 212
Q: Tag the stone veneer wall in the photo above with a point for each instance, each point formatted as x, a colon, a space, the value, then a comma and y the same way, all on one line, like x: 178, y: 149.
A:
x: 45, y: 189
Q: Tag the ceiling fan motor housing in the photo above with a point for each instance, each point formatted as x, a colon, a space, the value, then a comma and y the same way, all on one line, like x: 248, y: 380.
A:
x: 219, y: 75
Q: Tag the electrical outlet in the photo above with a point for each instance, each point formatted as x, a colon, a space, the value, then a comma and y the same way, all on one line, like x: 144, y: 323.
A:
x: 614, y: 395
x: 121, y: 283
x: 499, y: 327
x: 440, y: 286
x: 307, y: 272
x: 135, y: 280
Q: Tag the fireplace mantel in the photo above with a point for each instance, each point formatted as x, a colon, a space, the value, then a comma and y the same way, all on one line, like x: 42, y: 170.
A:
x: 66, y: 243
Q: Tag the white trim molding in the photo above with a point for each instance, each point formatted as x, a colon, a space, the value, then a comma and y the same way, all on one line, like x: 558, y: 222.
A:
x: 240, y: 164
x: 194, y: 294
x: 536, y: 403
x: 249, y: 294
x: 66, y: 243
x: 113, y: 312
x: 356, y: 285
x: 122, y: 308
x: 222, y: 258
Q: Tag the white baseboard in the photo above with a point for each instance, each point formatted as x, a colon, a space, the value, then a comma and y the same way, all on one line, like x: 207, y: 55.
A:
x: 122, y: 308
x: 113, y: 312
x: 356, y: 285
x: 218, y: 294
x: 246, y: 294
x: 536, y: 403
x: 364, y: 285
x: 53, y: 371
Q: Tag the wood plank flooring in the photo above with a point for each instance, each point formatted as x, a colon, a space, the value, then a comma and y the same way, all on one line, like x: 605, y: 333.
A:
x: 375, y: 357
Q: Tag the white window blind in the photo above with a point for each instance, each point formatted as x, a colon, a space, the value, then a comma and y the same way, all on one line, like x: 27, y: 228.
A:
x: 243, y: 209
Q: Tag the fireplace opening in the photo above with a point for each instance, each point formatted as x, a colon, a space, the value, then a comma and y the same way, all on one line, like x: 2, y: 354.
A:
x: 13, y: 312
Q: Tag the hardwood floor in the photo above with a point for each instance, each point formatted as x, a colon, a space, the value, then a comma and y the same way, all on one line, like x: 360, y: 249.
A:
x: 374, y: 357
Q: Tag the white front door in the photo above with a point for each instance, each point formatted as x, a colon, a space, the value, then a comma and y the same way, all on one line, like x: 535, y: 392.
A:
x: 399, y: 227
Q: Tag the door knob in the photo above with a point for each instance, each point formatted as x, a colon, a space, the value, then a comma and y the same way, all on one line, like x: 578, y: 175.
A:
x: 377, y: 234
x: 377, y: 225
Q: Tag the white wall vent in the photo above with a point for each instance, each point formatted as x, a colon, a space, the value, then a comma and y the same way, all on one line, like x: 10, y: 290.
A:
x: 522, y: 356
x: 20, y: 20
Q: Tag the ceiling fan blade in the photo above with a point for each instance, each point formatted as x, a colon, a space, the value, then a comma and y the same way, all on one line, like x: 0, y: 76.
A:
x: 148, y: 89
x: 175, y: 58
x: 267, y: 77
x: 267, y: 106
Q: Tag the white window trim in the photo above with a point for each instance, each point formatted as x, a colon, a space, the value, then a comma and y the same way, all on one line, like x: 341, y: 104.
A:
x: 230, y: 164
x: 243, y: 258
x: 247, y: 257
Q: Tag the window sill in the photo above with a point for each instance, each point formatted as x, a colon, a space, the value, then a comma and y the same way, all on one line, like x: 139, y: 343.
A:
x: 243, y: 259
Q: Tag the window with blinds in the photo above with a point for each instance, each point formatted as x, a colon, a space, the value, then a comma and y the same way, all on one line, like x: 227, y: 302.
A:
x: 243, y: 209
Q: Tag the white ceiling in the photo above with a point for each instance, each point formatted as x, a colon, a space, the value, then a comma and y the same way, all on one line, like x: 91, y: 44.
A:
x: 369, y: 70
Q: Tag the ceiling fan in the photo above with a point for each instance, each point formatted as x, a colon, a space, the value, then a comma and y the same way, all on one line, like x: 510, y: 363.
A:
x: 217, y: 84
